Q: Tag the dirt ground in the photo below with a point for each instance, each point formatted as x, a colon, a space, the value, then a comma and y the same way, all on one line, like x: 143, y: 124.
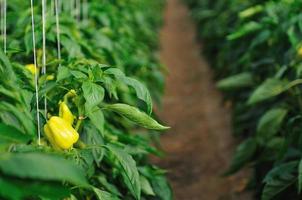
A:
x: 200, y: 144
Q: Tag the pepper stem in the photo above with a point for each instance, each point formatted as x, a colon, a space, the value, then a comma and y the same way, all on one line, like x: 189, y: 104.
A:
x: 79, y: 122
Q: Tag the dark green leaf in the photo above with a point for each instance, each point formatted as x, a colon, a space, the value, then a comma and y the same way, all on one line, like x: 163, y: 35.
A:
x: 12, y: 135
x: 244, y: 152
x: 129, y: 170
x: 270, y: 123
x: 278, y: 179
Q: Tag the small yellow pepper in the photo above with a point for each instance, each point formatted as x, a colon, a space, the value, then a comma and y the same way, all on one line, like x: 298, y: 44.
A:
x: 300, y: 51
x: 32, y: 69
x: 65, y: 113
x: 60, y: 133
x: 50, y: 77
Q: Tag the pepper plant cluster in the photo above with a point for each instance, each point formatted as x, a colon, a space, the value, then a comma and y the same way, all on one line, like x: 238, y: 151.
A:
x: 255, y: 48
x: 97, y: 128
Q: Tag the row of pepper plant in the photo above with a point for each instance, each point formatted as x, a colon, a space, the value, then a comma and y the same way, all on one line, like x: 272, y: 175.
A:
x: 97, y: 130
x: 255, y: 49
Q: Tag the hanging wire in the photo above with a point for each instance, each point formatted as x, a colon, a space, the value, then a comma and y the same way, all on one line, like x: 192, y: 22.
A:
x: 52, y: 8
x: 4, y: 25
x: 44, y: 48
x: 60, y: 7
x: 78, y: 10
x: 85, y: 10
x: 71, y: 7
x: 36, y: 71
x: 57, y: 3
x: 1, y: 18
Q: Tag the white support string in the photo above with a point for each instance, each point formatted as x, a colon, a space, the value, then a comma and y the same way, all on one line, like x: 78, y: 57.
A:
x: 58, y: 30
x: 78, y: 10
x: 36, y: 71
x: 1, y: 18
x: 85, y: 10
x: 71, y: 8
x: 52, y: 8
x: 4, y: 25
x: 44, y: 47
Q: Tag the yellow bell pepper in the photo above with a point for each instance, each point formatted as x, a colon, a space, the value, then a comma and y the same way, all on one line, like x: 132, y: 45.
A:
x: 50, y: 77
x: 60, y: 133
x: 300, y: 51
x: 65, y: 113
x: 31, y: 68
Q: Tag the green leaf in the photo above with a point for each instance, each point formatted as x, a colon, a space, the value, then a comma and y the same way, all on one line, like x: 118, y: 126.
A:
x: 41, y: 166
x: 161, y: 187
x: 21, y: 189
x: 108, y: 186
x: 236, y: 81
x: 146, y: 186
x: 102, y: 195
x: 24, y: 118
x: 63, y: 73
x: 78, y: 74
x: 244, y: 153
x: 278, y: 179
x: 250, y: 11
x: 136, y: 116
x: 268, y: 89
x: 93, y: 94
x: 128, y: 169
x: 10, y: 191
x: 141, y: 90
x: 97, y: 119
x: 244, y: 30
x: 10, y: 134
x: 300, y: 177
x: 270, y: 123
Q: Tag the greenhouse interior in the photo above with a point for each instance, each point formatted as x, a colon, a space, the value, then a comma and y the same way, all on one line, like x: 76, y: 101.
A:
x: 150, y: 100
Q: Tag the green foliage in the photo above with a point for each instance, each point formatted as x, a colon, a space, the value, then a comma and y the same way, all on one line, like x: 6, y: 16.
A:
x: 255, y: 50
x: 109, y: 64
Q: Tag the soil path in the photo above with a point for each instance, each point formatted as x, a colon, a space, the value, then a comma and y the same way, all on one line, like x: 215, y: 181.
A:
x: 199, y: 145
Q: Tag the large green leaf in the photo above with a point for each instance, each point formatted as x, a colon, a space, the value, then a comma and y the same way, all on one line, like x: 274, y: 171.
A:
x: 128, y: 169
x: 146, y: 186
x: 97, y: 118
x: 9, y: 134
x: 93, y: 94
x: 141, y: 90
x: 41, y: 166
x: 135, y: 115
x: 269, y: 88
x: 21, y: 189
x: 271, y: 122
x: 236, y: 81
x: 24, y: 118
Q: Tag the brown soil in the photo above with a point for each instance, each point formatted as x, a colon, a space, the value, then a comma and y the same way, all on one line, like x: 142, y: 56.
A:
x: 199, y: 145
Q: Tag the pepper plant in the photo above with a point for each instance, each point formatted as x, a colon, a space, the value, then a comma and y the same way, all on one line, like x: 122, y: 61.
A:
x: 255, y: 49
x: 97, y: 129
